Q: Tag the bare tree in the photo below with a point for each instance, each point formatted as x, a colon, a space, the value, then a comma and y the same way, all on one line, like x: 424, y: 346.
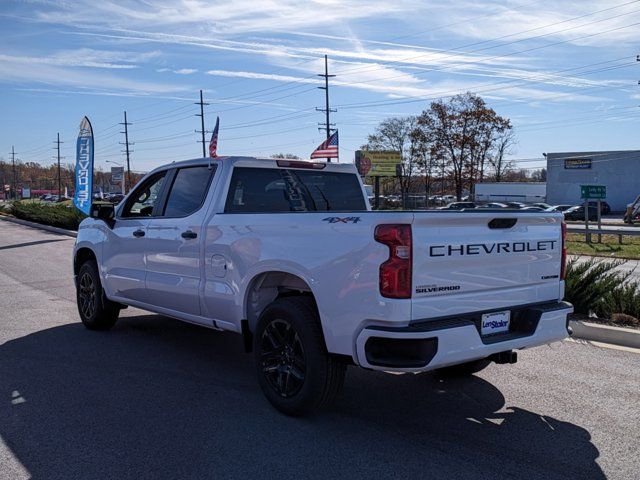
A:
x: 503, y: 145
x: 464, y: 132
x: 395, y: 134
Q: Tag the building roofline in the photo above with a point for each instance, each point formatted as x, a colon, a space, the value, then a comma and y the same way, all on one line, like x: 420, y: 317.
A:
x: 511, y: 183
x: 593, y: 152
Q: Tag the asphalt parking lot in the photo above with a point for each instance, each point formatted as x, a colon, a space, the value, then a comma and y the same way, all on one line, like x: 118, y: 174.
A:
x: 156, y: 398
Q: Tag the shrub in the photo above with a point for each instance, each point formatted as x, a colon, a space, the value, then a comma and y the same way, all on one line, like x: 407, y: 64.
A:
x: 589, y: 283
x: 625, y: 300
x: 595, y: 286
x: 56, y: 215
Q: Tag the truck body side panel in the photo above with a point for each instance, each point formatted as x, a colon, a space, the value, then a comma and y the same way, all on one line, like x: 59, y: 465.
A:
x: 338, y: 261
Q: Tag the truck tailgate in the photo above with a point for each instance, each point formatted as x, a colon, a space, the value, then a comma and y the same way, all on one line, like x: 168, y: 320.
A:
x: 474, y: 261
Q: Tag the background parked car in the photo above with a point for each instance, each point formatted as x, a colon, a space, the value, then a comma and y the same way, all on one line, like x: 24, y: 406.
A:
x: 559, y: 208
x: 516, y: 205
x: 458, y: 206
x: 115, y: 198
x: 541, y: 205
x: 577, y: 213
x: 605, y: 208
x: 493, y: 205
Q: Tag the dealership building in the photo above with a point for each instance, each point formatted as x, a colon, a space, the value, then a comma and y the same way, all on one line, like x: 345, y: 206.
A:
x: 619, y: 171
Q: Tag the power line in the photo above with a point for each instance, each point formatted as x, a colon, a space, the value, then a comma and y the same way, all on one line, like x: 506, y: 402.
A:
x: 267, y: 102
x: 165, y: 138
x: 510, y: 84
x: 327, y: 110
x: 457, y: 51
x: 15, y: 174
x: 461, y: 22
x: 127, y: 151
x: 269, y: 120
x: 202, y: 130
x: 57, y: 143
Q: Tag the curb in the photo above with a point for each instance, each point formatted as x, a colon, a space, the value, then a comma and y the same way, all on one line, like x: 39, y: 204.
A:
x: 625, y: 337
x: 48, y: 228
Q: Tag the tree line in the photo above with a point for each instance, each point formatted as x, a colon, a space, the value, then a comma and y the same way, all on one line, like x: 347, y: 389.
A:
x: 35, y: 176
x: 457, y: 143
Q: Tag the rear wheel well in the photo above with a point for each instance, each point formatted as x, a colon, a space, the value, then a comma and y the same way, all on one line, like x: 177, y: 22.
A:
x: 82, y: 255
x: 263, y: 290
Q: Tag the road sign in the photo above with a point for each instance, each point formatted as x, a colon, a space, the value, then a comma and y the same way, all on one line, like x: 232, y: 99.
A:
x: 117, y: 174
x: 593, y: 192
x: 117, y: 177
x: 381, y: 163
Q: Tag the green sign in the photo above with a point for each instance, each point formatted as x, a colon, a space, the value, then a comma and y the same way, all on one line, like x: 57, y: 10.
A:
x: 382, y: 163
x: 594, y: 192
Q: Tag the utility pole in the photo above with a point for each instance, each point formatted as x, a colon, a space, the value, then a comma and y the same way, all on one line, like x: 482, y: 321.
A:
x: 326, y: 109
x: 15, y: 175
x: 202, y: 130
x: 58, y: 142
x: 127, y: 151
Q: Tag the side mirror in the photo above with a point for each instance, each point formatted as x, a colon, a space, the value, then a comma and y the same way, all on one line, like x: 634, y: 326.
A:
x: 103, y: 211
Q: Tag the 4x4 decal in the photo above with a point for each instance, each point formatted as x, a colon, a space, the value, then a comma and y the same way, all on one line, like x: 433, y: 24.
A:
x: 341, y: 219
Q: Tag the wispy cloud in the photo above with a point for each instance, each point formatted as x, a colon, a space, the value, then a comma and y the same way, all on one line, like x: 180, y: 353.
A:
x: 27, y: 70
x: 85, y: 57
x: 394, y: 71
x: 180, y: 71
x: 228, y: 18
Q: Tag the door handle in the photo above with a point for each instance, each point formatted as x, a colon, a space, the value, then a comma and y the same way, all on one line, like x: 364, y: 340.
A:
x: 189, y: 234
x: 138, y: 233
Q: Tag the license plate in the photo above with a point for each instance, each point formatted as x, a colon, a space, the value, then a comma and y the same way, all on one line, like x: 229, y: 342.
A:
x: 495, y: 322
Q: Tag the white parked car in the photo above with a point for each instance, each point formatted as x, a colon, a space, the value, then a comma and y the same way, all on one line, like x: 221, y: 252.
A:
x: 288, y: 254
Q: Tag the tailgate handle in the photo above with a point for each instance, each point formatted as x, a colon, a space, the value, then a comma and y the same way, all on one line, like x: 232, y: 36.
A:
x: 502, y: 222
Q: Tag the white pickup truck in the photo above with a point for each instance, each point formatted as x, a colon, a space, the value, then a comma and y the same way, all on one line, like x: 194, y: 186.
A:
x: 289, y: 255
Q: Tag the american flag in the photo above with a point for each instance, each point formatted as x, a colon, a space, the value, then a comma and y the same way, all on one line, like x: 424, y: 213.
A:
x: 213, y: 144
x: 328, y: 148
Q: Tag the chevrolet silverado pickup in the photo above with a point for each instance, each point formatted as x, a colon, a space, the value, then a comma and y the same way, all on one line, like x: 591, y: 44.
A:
x: 290, y: 255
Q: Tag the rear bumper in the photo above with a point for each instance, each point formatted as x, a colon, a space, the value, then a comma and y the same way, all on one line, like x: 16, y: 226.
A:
x: 431, y: 344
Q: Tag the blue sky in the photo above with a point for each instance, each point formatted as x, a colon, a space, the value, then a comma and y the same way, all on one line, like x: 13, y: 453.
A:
x: 564, y: 72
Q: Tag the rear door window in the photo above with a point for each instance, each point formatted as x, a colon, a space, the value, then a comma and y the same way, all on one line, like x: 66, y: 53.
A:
x: 255, y: 190
x: 188, y: 191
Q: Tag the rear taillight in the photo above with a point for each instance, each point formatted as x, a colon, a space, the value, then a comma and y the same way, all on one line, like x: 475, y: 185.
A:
x: 563, y: 265
x: 395, y: 273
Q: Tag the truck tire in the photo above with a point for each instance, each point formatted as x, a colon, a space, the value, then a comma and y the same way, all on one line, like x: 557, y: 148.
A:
x: 96, y: 311
x: 295, y: 371
x: 465, y: 369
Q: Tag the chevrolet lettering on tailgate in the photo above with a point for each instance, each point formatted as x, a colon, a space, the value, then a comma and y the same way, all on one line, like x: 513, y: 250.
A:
x: 491, y: 248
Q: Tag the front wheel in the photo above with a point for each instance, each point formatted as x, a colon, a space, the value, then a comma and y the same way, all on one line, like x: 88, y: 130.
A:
x: 96, y: 311
x: 295, y: 371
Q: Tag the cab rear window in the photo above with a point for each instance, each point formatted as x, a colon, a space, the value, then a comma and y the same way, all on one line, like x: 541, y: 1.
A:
x: 258, y: 190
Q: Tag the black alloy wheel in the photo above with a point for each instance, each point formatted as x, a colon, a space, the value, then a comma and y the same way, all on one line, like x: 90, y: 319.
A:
x: 87, y: 295
x: 283, y: 358
x: 295, y: 371
x: 96, y: 311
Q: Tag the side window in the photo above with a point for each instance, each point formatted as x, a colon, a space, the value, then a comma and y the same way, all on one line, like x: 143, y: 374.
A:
x: 144, y: 198
x: 188, y: 191
x: 255, y: 190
